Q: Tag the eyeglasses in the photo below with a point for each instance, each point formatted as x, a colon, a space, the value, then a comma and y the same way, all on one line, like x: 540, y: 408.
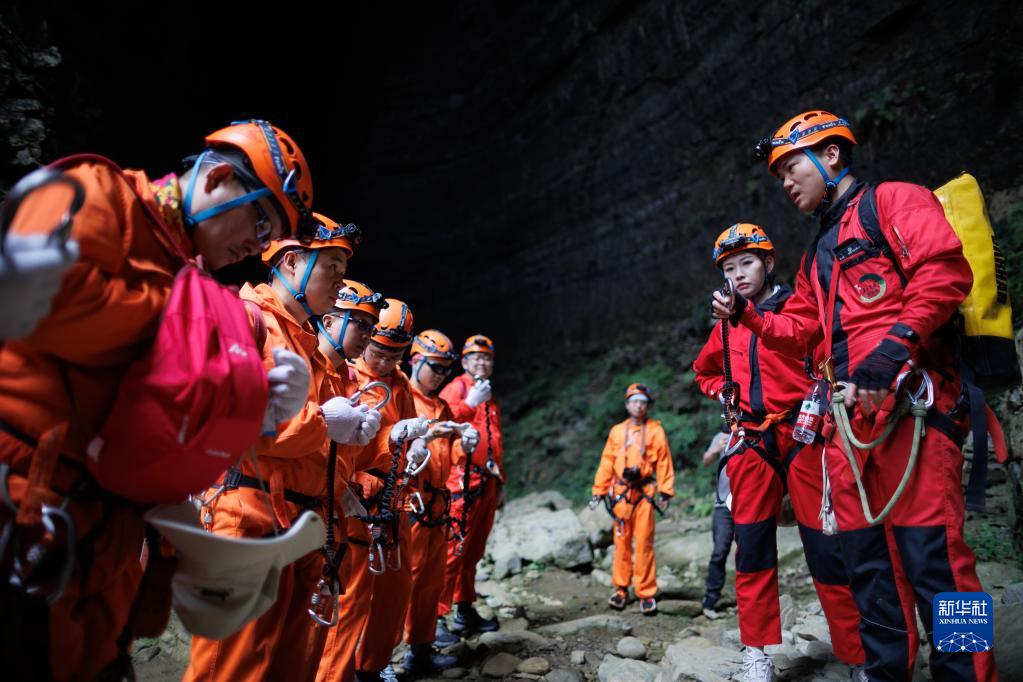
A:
x: 362, y: 325
x: 264, y: 228
x: 440, y: 369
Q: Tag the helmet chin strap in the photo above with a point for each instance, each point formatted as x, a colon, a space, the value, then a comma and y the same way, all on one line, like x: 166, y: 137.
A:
x: 192, y: 220
x: 300, y: 294
x: 338, y: 345
x: 830, y: 185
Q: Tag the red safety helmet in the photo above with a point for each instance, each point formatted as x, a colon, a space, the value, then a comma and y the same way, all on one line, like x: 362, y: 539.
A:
x: 741, y: 237
x: 278, y: 163
x: 799, y: 132
x: 394, y: 329
x: 478, y: 344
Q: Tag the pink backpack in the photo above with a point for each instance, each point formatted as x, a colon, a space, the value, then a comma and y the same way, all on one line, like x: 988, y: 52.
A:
x: 193, y: 404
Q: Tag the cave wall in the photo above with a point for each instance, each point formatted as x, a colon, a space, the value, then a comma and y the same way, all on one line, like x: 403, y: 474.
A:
x: 574, y: 162
x: 551, y: 173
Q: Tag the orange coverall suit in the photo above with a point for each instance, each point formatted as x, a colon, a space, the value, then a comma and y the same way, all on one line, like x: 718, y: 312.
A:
x: 430, y: 530
x: 56, y: 388
x: 483, y: 490
x: 293, y: 463
x: 369, y: 628
x: 644, y: 446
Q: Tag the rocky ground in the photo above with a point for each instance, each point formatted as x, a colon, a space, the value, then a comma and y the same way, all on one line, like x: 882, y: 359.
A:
x: 546, y: 577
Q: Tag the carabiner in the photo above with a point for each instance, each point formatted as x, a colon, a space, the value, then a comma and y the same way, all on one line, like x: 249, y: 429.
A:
x: 396, y: 552
x: 926, y: 387
x: 49, y: 514
x: 375, y: 562
x: 492, y: 468
x: 354, y: 399
x: 415, y: 504
x: 323, y: 604
x: 736, y: 437
x: 413, y: 469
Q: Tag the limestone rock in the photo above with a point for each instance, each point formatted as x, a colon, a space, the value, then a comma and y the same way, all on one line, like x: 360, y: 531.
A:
x: 501, y: 665
x: 670, y: 586
x: 1008, y: 635
x: 706, y: 663
x: 454, y: 673
x: 506, y: 562
x: 630, y: 647
x: 788, y: 611
x: 614, y: 669
x: 563, y: 675
x: 534, y: 666
x: 550, y: 500
x: 512, y: 642
x: 543, y: 536
x: 679, y: 607
x: 598, y: 622
x: 601, y: 577
x: 599, y: 526
x: 578, y: 657
x: 813, y: 628
x: 1012, y: 594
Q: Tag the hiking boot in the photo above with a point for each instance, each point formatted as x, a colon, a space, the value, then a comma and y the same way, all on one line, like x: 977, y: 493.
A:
x: 756, y: 666
x: 711, y: 614
x: 648, y: 606
x: 421, y: 659
x: 443, y: 637
x: 467, y: 620
x: 617, y: 600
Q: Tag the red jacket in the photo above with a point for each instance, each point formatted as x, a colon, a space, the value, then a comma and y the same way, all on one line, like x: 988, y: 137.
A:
x: 454, y: 395
x: 769, y: 382
x: 870, y: 295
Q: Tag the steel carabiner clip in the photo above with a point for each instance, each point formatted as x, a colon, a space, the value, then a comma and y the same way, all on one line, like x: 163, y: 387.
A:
x: 375, y: 562
x: 324, y: 608
x: 416, y: 504
x: 926, y: 387
x: 413, y: 469
x: 396, y: 552
x: 354, y: 398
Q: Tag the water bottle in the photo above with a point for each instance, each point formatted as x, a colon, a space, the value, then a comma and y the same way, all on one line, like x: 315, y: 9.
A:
x: 810, y: 413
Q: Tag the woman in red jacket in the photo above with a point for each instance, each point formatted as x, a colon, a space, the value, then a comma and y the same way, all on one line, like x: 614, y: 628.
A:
x: 762, y: 400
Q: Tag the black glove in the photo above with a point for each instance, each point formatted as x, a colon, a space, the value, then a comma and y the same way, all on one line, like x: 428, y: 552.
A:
x: 879, y: 369
x: 663, y: 500
x: 739, y: 303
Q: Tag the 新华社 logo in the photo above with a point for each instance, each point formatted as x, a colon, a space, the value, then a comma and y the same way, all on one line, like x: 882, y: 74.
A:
x: 964, y: 622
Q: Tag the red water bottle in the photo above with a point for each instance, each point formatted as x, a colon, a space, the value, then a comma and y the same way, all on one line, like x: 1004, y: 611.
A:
x: 810, y: 413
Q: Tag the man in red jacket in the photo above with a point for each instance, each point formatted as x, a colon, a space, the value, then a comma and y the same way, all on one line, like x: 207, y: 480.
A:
x: 762, y: 458
x: 866, y: 311
x: 476, y: 485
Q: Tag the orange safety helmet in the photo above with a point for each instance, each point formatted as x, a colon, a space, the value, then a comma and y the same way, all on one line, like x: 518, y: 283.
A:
x: 741, y: 237
x: 328, y: 235
x: 278, y: 163
x: 434, y: 344
x: 478, y: 344
x: 357, y: 296
x: 638, y: 389
x: 395, y: 326
x: 800, y: 132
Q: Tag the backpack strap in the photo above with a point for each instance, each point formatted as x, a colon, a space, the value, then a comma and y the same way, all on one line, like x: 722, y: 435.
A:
x: 867, y: 210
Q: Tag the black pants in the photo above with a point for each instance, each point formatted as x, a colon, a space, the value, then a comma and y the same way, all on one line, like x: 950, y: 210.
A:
x: 724, y: 534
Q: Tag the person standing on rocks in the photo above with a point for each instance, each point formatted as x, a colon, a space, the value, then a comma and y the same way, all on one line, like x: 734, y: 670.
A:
x: 433, y: 359
x: 760, y: 391
x: 476, y: 484
x: 637, y: 474
x: 867, y: 315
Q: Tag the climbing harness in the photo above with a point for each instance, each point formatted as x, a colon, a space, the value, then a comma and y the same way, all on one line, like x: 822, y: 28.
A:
x: 633, y: 484
x: 915, y: 402
x: 469, y: 494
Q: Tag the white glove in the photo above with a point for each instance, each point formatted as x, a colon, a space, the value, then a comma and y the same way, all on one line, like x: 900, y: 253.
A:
x: 344, y: 421
x: 410, y: 428
x: 368, y: 428
x: 30, y: 276
x: 470, y: 439
x: 417, y: 452
x: 289, y: 388
x: 479, y: 393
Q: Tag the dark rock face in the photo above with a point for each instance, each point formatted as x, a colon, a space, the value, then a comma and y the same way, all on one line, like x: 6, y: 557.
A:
x: 549, y: 173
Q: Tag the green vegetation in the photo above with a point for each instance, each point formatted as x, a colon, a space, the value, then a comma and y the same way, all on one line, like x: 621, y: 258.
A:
x: 992, y: 542
x: 556, y: 430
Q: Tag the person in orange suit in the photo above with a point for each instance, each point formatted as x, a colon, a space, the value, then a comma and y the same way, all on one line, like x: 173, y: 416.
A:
x: 106, y: 291
x: 637, y: 471
x: 476, y: 484
x: 433, y: 358
x: 287, y: 473
x: 372, y: 610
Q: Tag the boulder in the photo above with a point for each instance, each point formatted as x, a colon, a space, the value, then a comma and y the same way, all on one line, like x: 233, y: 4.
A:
x: 679, y: 607
x: 599, y: 526
x: 512, y: 642
x: 788, y: 611
x: 454, y: 673
x: 813, y: 628
x: 501, y: 665
x: 1008, y: 635
x: 1012, y: 594
x: 670, y: 586
x: 630, y: 647
x: 706, y: 663
x: 614, y: 669
x: 496, y: 595
x: 601, y: 577
x: 598, y: 622
x: 550, y: 500
x: 506, y: 562
x: 534, y: 666
x: 578, y: 657
x: 563, y: 675
x: 543, y: 536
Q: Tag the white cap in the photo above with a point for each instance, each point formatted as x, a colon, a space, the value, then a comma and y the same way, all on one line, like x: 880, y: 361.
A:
x: 222, y: 583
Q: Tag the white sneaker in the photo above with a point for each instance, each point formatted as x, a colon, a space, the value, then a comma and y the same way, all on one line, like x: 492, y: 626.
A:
x: 756, y: 666
x: 711, y: 614
x: 858, y: 674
